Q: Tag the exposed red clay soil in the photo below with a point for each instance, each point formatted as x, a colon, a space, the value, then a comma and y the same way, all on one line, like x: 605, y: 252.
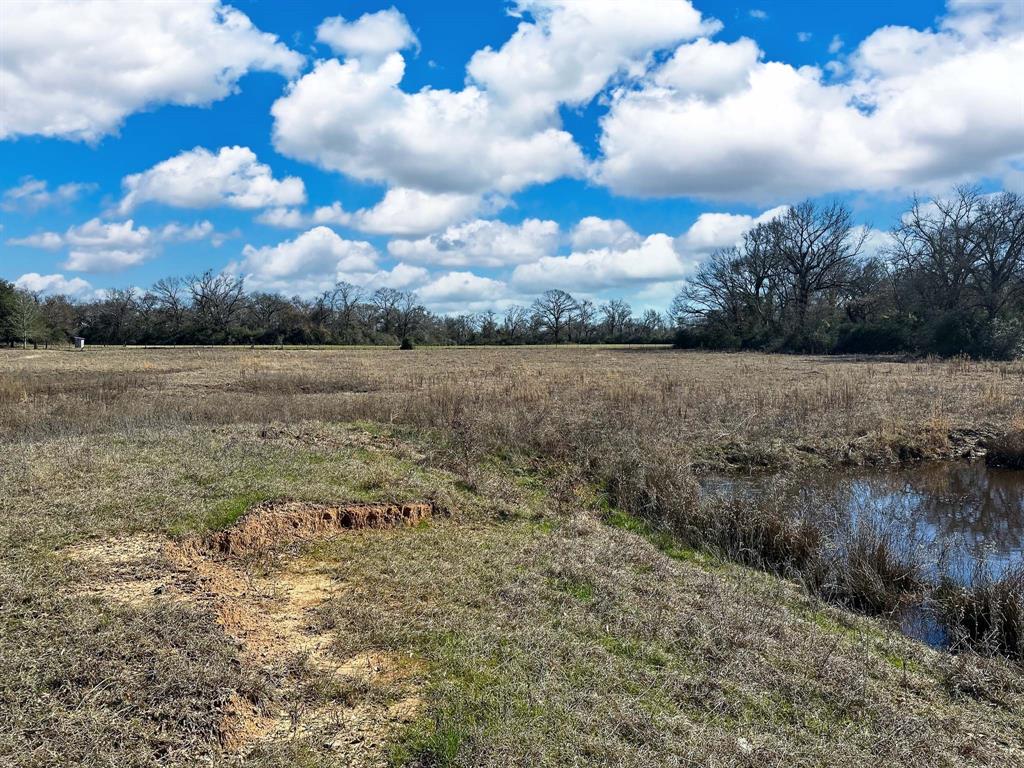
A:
x: 270, y: 614
x: 276, y: 523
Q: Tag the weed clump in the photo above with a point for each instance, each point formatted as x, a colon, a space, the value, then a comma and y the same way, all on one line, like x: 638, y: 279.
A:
x: 653, y: 481
x: 988, y: 615
x: 762, y: 534
x: 875, y: 574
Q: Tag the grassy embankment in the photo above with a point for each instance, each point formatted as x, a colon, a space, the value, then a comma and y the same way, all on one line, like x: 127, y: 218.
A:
x: 518, y: 627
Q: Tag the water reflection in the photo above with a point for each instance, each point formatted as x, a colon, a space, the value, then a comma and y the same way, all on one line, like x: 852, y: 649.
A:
x: 975, y: 513
x: 967, y: 515
x: 960, y: 519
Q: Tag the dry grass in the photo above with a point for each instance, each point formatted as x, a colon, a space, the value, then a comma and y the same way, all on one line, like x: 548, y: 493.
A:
x: 988, y: 615
x: 742, y: 410
x: 536, y: 634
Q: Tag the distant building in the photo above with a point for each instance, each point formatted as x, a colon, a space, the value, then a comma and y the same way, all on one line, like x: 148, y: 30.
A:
x: 79, y: 342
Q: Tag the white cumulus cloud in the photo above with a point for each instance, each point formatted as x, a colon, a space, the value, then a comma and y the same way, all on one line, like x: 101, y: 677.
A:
x: 371, y: 35
x: 54, y: 284
x: 459, y: 288
x: 316, y: 259
x: 104, y: 259
x: 32, y: 194
x: 100, y: 246
x: 405, y: 211
x: 919, y: 107
x: 594, y: 232
x: 654, y: 259
x: 481, y: 242
x: 198, y: 178
x: 295, y: 218
x: 353, y: 118
x: 709, y: 69
x: 502, y: 131
x: 319, y: 251
x: 75, y: 69
x: 401, y: 276
x: 608, y: 253
x: 721, y: 230
x: 401, y: 212
x: 570, y: 50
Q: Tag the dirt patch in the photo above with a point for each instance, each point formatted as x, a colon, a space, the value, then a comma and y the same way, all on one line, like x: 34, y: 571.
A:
x: 131, y: 570
x: 266, y: 601
x: 276, y: 523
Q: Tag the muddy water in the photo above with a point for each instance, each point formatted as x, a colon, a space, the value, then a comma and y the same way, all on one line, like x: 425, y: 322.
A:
x: 961, y: 519
x: 963, y: 515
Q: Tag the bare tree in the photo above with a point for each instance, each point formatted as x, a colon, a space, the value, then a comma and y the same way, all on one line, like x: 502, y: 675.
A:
x: 60, y: 316
x: 24, y: 318
x: 998, y: 238
x: 616, y: 314
x: 118, y: 313
x: 408, y: 314
x: 935, y: 244
x: 735, y: 286
x: 461, y: 328
x: 345, y: 299
x: 554, y: 309
x: 583, y: 319
x: 816, y: 247
x: 170, y: 302
x: 761, y: 269
x: 516, y: 322
x: 489, y: 325
x: 716, y: 290
x: 270, y: 313
x: 386, y: 301
x: 651, y: 322
x: 217, y: 300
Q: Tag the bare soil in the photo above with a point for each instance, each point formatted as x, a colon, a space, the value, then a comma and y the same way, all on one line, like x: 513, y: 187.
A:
x: 277, y: 523
x: 266, y: 600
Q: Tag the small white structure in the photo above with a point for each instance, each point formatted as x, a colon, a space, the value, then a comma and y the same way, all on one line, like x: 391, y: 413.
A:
x: 79, y: 342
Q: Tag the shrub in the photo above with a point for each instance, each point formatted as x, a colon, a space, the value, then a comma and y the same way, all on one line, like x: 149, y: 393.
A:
x: 1001, y: 339
x: 648, y: 479
x: 406, y: 343
x: 962, y: 332
x: 705, y: 337
x: 882, y: 337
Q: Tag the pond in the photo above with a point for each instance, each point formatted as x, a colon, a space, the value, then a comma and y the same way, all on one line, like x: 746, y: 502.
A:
x: 961, y: 518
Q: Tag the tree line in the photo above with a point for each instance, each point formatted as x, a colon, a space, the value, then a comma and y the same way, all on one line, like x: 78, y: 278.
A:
x: 212, y: 308
x: 948, y: 280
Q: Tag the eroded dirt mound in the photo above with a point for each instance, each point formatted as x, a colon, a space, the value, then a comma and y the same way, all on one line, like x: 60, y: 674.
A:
x: 268, y: 607
x: 272, y: 524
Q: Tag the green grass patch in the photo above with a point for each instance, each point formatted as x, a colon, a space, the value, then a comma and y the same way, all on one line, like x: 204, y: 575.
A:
x: 634, y: 650
x: 430, y: 742
x: 580, y: 589
x: 665, y: 542
x: 544, y: 526
x: 222, y: 514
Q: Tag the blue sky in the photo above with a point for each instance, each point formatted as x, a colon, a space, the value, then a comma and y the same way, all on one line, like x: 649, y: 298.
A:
x: 602, y: 147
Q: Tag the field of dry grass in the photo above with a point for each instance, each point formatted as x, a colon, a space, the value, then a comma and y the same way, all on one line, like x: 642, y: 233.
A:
x: 725, y: 410
x: 537, y: 618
